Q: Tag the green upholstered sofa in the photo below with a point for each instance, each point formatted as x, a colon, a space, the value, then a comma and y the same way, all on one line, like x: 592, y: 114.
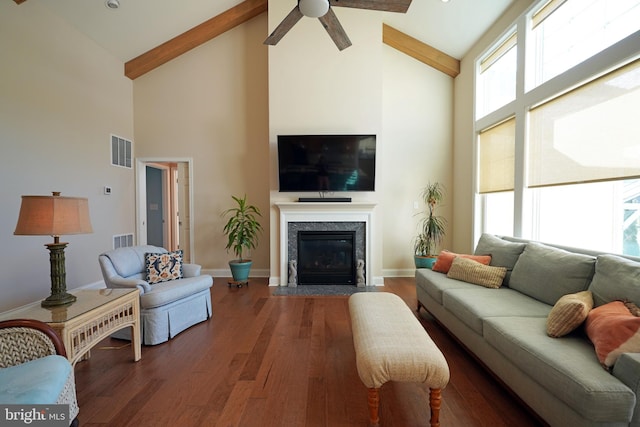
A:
x: 561, y: 379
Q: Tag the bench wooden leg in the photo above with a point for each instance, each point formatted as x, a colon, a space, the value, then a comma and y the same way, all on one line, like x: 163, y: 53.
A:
x: 374, y: 402
x: 435, y: 400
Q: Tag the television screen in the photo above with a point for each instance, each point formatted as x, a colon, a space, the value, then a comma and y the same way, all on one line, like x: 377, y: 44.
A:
x: 327, y: 163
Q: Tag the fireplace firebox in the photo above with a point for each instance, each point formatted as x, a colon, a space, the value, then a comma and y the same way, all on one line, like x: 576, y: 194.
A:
x: 326, y: 258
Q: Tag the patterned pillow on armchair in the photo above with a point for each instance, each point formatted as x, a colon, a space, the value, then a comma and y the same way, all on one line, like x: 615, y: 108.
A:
x: 162, y: 267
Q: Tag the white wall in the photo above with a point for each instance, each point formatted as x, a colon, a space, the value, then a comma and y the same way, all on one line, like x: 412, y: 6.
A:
x: 316, y: 89
x: 210, y: 104
x: 61, y: 96
x: 366, y: 88
x: 417, y: 116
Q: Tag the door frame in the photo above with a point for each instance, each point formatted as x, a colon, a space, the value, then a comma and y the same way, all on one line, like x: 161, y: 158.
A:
x: 141, y: 197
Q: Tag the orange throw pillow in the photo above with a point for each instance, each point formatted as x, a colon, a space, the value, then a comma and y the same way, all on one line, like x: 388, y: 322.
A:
x: 445, y: 259
x: 613, y: 330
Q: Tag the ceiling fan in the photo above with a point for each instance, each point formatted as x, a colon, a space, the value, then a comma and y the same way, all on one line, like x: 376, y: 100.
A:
x: 321, y: 9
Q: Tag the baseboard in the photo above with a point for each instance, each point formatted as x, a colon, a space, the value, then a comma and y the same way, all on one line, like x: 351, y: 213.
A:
x: 404, y: 272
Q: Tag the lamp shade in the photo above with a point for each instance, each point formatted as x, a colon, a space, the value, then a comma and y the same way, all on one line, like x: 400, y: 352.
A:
x: 53, y: 216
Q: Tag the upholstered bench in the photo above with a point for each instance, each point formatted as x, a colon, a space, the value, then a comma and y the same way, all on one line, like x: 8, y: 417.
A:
x: 392, y: 345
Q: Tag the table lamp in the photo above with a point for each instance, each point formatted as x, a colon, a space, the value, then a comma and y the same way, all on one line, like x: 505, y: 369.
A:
x: 54, y: 216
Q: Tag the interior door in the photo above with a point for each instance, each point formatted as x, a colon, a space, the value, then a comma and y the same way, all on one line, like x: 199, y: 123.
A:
x: 177, y: 203
x: 154, y: 207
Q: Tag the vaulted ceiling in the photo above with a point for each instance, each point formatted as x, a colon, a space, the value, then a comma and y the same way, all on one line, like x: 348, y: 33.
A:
x: 140, y: 26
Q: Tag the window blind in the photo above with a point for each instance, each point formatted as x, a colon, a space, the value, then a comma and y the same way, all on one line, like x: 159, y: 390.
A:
x: 589, y: 134
x: 496, y: 157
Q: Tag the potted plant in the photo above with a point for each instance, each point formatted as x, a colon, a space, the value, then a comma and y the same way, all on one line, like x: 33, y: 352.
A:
x: 432, y: 227
x: 242, y: 230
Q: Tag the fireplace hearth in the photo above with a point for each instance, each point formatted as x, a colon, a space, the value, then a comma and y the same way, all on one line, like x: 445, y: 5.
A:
x: 326, y: 258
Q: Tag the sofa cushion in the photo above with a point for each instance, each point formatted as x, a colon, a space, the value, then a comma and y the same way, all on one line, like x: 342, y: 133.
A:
x: 445, y: 259
x: 547, y: 273
x: 39, y: 381
x: 474, y: 272
x: 613, y: 330
x: 616, y: 278
x: 475, y: 304
x: 162, y: 267
x: 434, y: 283
x: 503, y: 253
x: 567, y: 367
x: 167, y: 292
x: 569, y: 312
x: 130, y: 261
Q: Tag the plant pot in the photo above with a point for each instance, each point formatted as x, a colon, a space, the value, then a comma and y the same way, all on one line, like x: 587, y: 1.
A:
x: 424, y: 261
x: 240, y: 270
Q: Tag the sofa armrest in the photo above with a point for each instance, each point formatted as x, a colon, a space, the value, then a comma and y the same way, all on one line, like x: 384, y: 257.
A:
x: 119, y: 282
x: 627, y: 370
x: 191, y: 270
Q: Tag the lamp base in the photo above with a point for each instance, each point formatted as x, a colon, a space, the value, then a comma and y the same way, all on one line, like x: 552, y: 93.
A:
x: 57, y: 300
x: 59, y: 294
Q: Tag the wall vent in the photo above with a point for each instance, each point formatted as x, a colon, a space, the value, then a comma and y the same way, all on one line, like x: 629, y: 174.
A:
x: 121, y: 152
x: 122, y: 240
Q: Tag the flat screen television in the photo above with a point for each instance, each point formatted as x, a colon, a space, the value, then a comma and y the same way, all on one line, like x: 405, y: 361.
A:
x: 327, y: 163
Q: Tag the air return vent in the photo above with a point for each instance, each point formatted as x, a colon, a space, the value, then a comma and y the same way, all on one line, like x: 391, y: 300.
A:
x: 121, y: 152
x: 122, y: 240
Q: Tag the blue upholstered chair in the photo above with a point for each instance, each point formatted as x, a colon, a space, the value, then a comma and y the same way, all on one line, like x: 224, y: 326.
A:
x: 166, y: 308
x: 34, y: 369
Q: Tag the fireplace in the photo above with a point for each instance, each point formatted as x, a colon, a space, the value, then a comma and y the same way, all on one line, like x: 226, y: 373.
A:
x: 326, y: 258
x: 298, y: 217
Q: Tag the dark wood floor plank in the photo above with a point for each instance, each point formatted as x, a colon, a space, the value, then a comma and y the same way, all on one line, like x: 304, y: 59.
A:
x: 272, y: 361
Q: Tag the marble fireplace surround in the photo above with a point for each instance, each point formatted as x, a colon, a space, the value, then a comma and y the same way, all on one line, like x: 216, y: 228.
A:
x: 326, y: 212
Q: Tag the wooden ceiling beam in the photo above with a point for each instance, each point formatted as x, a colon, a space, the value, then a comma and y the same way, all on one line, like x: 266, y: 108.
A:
x: 420, y: 51
x: 194, y: 37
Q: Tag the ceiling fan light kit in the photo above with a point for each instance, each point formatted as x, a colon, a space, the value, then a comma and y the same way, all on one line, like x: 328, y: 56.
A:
x: 323, y: 10
x: 112, y: 4
x: 314, y: 8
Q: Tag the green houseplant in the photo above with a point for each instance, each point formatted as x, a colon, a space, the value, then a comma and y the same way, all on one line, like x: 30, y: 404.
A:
x: 431, y: 227
x: 242, y: 230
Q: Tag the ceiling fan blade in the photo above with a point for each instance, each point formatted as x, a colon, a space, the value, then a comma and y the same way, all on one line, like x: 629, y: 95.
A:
x: 332, y: 25
x: 386, y: 5
x: 283, y: 28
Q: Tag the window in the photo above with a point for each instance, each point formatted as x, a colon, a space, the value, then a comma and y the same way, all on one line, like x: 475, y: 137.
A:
x: 566, y: 147
x: 566, y: 33
x: 497, y: 78
x: 496, y: 176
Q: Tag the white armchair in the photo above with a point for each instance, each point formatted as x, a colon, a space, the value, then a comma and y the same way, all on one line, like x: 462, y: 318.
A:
x: 166, y: 308
x: 34, y: 369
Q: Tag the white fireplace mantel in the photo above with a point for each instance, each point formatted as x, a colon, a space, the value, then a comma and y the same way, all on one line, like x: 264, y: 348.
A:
x: 327, y: 212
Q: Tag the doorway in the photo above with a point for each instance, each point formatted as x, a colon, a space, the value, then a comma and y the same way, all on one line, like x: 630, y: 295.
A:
x: 164, y: 204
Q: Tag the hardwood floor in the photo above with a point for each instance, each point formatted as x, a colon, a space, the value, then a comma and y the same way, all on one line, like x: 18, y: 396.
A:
x: 266, y: 360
